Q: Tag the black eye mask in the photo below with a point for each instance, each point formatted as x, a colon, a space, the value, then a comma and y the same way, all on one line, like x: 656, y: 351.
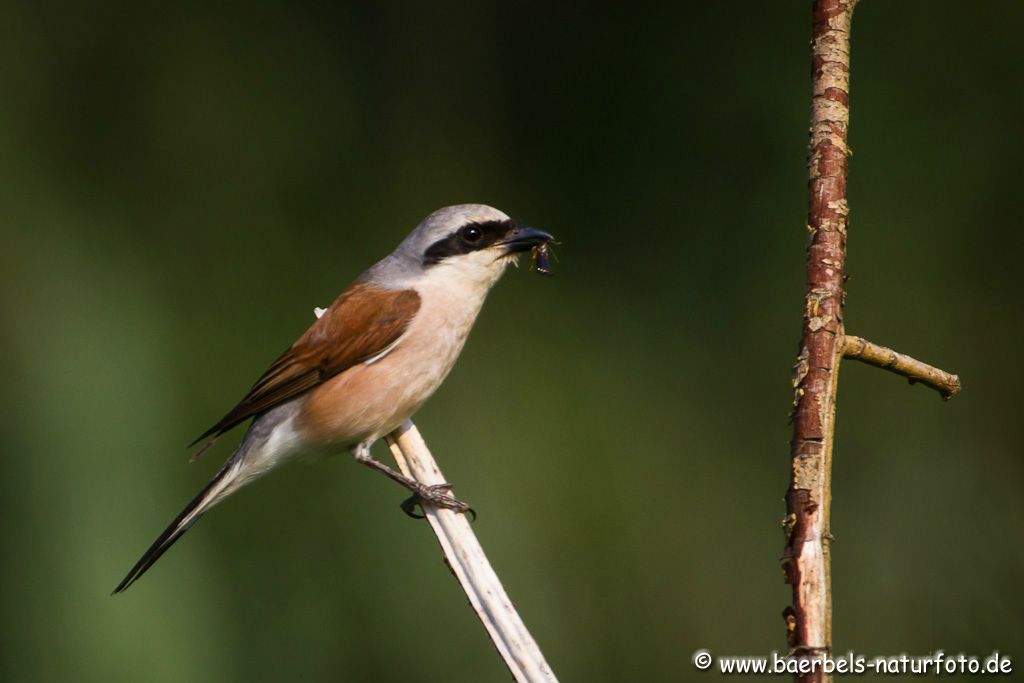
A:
x: 468, y: 238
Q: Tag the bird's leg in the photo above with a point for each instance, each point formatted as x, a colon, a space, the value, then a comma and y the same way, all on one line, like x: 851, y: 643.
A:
x: 437, y: 495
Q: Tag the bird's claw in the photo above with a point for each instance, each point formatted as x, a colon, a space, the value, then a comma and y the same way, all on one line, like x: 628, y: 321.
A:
x: 438, y: 495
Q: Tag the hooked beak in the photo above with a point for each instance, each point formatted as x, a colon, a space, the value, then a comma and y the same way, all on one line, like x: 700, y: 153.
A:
x: 524, y: 239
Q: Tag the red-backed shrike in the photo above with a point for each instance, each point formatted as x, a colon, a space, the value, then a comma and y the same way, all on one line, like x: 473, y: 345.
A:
x: 370, y: 361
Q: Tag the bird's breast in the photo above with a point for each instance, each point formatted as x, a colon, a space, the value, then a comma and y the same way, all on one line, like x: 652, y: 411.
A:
x: 373, y: 399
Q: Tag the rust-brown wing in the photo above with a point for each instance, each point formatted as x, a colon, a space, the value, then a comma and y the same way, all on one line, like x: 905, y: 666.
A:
x: 363, y: 322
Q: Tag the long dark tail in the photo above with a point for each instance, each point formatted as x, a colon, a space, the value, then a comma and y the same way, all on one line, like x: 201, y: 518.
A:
x: 200, y: 504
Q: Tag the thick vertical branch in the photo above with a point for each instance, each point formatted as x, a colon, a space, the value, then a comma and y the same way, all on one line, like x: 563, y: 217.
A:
x: 806, y: 556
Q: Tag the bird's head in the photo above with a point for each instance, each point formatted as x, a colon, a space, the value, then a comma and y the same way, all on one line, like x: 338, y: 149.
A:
x: 468, y: 242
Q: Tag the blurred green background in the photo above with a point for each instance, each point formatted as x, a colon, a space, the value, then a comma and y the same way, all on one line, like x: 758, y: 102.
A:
x: 183, y: 183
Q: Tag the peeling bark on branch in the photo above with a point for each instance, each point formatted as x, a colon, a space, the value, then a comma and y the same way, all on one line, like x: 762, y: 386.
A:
x: 806, y: 555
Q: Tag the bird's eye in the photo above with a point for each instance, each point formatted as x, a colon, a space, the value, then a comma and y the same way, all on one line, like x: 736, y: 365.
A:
x: 471, y: 234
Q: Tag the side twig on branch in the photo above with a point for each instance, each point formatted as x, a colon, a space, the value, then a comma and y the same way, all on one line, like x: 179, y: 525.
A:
x: 947, y: 384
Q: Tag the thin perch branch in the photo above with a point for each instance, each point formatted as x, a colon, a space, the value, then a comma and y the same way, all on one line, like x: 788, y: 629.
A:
x: 914, y: 370
x: 467, y: 561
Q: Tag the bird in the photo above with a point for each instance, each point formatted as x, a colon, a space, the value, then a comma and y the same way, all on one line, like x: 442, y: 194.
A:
x: 368, y: 363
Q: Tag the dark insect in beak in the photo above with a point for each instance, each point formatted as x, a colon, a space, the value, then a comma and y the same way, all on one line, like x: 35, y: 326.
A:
x: 541, y: 264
